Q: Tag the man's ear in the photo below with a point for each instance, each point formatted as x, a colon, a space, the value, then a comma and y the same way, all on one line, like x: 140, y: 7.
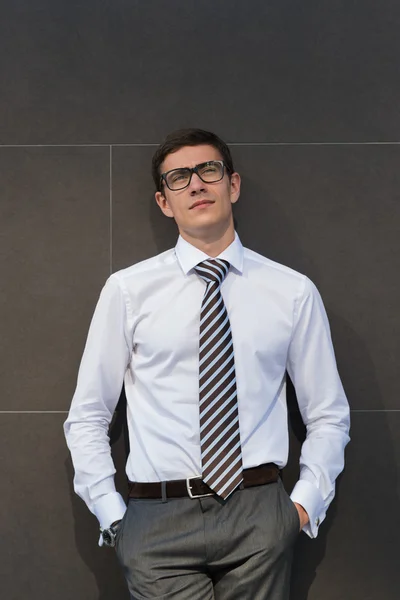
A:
x: 163, y: 204
x: 235, y: 187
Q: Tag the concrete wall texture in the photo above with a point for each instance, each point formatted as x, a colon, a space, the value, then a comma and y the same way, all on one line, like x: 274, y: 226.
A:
x: 307, y: 95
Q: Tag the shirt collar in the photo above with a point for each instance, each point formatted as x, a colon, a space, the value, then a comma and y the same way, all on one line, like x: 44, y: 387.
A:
x: 189, y: 256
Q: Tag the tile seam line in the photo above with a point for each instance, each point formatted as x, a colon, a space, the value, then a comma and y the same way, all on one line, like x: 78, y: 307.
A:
x: 64, y: 412
x: 261, y: 144
x: 110, y: 215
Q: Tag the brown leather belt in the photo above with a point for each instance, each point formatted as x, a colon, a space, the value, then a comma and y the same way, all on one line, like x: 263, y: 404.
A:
x: 194, y: 487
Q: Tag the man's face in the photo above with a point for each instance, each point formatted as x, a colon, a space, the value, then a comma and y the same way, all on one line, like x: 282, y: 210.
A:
x: 201, y: 208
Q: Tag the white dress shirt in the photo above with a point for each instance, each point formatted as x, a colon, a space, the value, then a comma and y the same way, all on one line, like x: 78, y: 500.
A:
x: 145, y: 332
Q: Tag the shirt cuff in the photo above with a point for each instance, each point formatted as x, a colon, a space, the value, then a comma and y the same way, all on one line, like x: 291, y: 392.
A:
x: 109, y: 508
x: 309, y: 497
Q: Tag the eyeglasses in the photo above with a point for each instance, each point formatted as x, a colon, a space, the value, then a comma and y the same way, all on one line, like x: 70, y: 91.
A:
x: 209, y: 172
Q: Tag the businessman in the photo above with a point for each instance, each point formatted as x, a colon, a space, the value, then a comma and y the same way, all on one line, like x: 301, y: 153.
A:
x: 202, y: 336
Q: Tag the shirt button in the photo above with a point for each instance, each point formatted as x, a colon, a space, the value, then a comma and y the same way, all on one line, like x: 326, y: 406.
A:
x: 317, y: 522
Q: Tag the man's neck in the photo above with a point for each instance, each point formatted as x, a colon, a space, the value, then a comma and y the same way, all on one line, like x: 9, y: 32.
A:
x: 212, y: 245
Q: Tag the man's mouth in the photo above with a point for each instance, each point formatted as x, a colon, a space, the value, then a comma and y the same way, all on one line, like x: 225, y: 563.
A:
x: 201, y: 203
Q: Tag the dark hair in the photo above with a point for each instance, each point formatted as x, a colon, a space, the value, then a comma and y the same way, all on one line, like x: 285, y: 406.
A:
x: 188, y: 137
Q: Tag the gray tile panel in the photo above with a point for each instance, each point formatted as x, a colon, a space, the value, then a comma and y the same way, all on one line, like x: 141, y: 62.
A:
x: 114, y: 71
x: 50, y: 536
x: 329, y: 212
x: 54, y: 258
x: 355, y: 555
x: 139, y: 229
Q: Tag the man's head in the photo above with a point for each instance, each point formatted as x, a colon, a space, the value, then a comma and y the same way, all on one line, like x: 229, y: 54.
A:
x: 196, y: 183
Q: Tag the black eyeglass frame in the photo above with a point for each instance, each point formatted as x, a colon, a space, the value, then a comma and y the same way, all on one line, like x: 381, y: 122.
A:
x: 192, y: 170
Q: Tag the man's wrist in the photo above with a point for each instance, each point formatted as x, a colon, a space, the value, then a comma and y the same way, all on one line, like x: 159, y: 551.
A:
x: 303, y: 515
x: 109, y: 508
x: 307, y: 495
x: 109, y: 534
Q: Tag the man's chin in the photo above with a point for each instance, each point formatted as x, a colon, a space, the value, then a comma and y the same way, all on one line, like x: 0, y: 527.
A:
x: 204, y: 227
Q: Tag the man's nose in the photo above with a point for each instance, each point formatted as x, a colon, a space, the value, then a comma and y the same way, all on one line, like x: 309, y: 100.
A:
x: 196, y: 185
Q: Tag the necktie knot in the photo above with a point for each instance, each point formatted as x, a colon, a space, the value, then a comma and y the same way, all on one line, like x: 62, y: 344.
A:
x: 213, y: 270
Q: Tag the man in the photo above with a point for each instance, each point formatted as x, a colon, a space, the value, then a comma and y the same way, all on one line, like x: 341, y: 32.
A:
x: 202, y: 336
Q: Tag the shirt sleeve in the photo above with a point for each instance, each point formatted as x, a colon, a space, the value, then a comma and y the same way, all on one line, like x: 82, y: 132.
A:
x: 323, y: 407
x: 100, y: 378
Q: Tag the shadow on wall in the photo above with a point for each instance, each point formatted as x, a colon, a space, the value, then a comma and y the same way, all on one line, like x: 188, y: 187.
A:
x: 353, y: 512
x: 308, y: 554
x: 102, y: 562
x: 165, y: 231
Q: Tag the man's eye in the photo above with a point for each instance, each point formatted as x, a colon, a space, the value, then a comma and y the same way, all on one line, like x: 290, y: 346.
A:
x: 178, y: 177
x: 209, y: 169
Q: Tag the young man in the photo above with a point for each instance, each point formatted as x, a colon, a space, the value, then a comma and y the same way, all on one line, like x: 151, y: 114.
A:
x: 202, y: 336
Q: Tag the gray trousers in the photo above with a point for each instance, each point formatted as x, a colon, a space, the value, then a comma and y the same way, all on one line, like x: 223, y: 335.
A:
x: 203, y: 549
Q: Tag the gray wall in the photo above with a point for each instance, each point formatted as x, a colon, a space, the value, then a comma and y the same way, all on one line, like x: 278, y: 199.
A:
x: 308, y: 94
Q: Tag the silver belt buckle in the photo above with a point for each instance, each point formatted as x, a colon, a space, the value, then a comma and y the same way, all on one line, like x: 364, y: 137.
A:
x: 189, y: 489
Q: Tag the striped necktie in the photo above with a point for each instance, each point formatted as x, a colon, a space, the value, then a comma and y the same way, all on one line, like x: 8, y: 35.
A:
x: 221, y: 453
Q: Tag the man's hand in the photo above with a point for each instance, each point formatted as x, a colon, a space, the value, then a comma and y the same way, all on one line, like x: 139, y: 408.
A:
x: 303, y: 516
